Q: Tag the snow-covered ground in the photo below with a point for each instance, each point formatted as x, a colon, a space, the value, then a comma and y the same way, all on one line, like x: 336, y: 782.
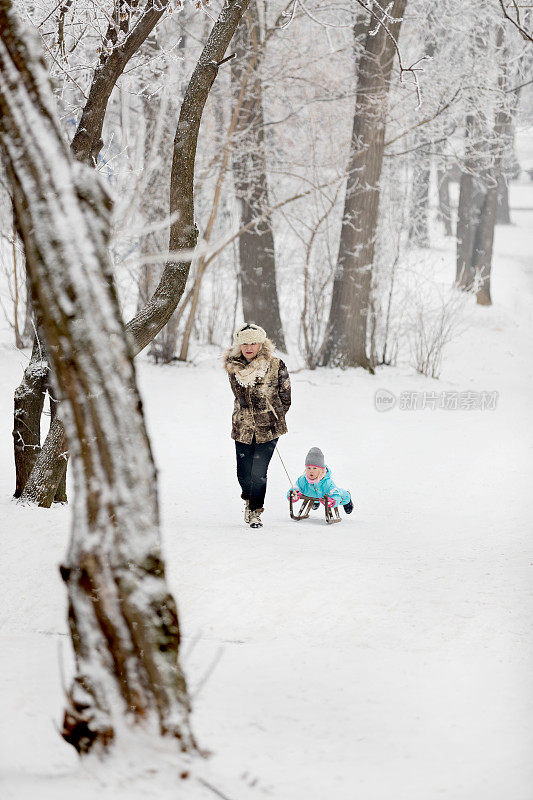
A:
x: 386, y: 657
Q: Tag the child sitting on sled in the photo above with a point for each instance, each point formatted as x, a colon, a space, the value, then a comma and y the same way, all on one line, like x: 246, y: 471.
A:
x: 318, y: 482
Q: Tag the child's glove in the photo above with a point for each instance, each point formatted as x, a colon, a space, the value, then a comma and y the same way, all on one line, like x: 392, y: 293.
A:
x: 295, y: 494
x: 330, y: 502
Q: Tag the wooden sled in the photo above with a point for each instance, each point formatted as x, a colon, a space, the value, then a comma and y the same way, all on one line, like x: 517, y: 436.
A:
x: 305, y: 508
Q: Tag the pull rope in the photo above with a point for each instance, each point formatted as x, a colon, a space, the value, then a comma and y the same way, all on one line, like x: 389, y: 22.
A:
x: 284, y: 467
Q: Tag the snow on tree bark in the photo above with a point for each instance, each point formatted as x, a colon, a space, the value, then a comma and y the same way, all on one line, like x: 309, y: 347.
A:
x: 123, y: 619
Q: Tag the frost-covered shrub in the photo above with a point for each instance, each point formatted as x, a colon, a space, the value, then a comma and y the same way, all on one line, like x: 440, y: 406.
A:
x: 436, y: 316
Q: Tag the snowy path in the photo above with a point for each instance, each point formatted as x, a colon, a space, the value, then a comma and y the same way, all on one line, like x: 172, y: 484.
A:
x: 386, y: 657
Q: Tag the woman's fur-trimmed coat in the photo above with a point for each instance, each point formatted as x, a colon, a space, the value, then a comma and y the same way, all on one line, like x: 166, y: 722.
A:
x: 262, y: 390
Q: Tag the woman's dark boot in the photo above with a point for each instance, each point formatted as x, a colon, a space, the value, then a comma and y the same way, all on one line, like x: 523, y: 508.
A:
x: 255, y: 518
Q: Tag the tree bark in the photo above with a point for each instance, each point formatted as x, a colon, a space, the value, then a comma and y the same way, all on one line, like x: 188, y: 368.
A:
x: 48, y: 471
x: 419, y: 222
x: 503, y: 216
x: 483, y: 245
x: 476, y: 238
x: 257, y: 254
x: 445, y: 208
x: 484, y: 240
x: 123, y: 619
x: 471, y: 199
x: 27, y: 332
x: 345, y: 342
x: 29, y: 402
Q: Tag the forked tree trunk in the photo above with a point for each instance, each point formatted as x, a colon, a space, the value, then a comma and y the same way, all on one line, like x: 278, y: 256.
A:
x: 48, y: 471
x: 123, y: 619
x: 257, y: 254
x: 345, y: 343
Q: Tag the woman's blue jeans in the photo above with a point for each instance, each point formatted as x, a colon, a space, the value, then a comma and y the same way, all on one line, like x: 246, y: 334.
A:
x: 252, y: 466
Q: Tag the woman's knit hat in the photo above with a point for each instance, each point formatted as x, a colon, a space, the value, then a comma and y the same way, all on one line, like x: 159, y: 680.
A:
x: 315, y: 458
x: 249, y: 334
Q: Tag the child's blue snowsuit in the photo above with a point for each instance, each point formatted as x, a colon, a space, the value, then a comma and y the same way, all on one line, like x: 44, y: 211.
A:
x: 324, y: 486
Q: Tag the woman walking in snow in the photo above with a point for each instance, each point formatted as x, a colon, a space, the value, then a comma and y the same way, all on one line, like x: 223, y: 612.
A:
x: 262, y: 389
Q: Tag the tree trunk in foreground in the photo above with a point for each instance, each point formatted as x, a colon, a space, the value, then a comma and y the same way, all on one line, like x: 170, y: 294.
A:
x: 345, y: 343
x: 257, y: 255
x: 123, y: 620
x: 44, y: 480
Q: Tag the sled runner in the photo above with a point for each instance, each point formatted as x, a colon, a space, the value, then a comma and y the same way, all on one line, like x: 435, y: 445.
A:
x: 307, y: 504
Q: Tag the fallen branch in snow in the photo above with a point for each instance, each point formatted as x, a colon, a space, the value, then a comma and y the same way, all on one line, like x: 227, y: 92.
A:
x: 213, y: 789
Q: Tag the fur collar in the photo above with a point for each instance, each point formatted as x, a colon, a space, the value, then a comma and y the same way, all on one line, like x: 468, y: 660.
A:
x: 248, y: 373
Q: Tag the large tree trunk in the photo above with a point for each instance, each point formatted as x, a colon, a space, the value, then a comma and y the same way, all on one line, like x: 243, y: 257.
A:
x: 484, y: 241
x: 345, y: 342
x: 483, y: 245
x: 471, y: 199
x: 49, y: 468
x: 475, y: 227
x: 123, y: 619
x: 256, y: 246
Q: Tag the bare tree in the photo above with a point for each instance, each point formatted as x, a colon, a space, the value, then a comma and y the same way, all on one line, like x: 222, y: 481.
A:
x: 123, y: 619
x: 124, y: 36
x: 345, y: 342
x: 487, y: 140
x: 256, y: 245
x: 50, y: 466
